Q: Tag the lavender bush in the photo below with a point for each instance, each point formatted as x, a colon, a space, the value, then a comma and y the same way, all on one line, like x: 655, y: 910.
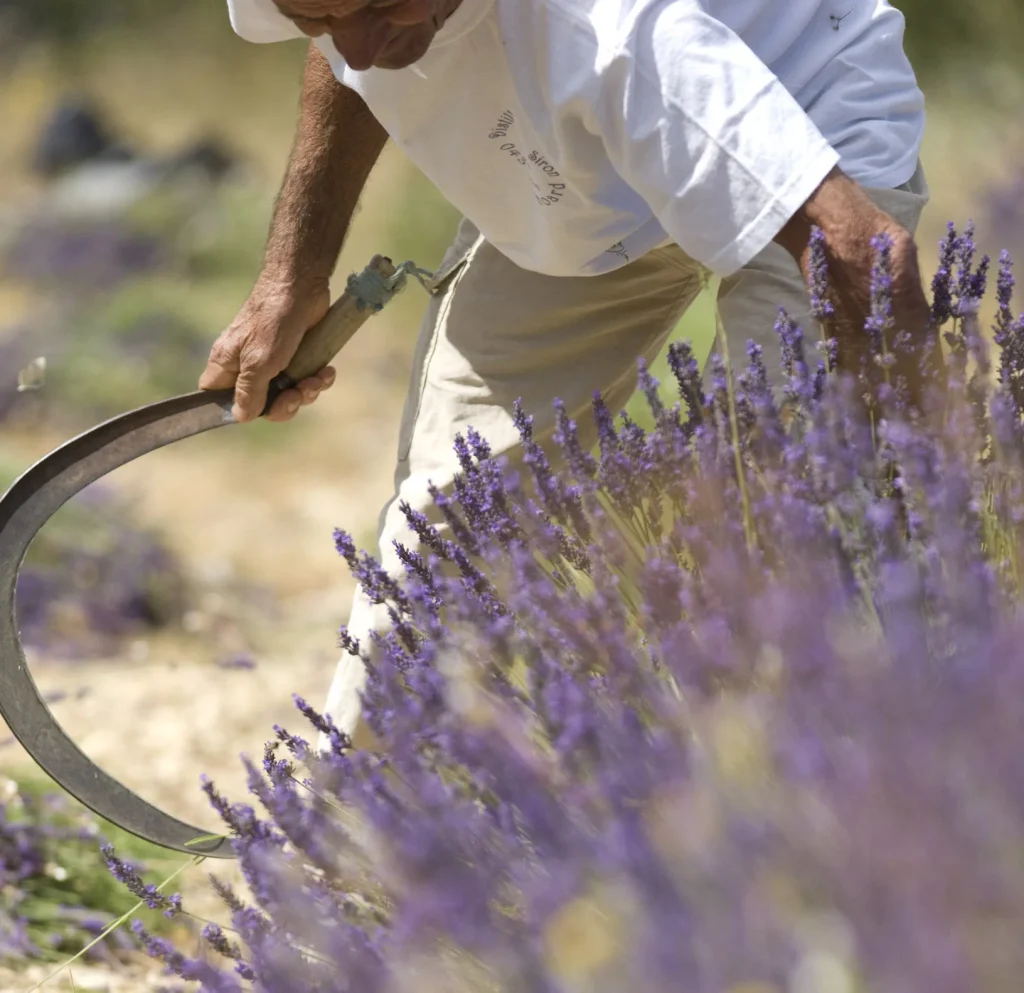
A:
x: 84, y: 258
x: 94, y: 577
x: 56, y: 895
x: 732, y: 704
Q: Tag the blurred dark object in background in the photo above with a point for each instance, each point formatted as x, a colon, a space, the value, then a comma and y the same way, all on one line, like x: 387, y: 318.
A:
x: 75, y: 133
x: 98, y: 171
x: 208, y: 158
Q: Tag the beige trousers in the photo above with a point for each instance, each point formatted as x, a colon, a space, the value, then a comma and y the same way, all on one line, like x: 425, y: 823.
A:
x: 494, y: 332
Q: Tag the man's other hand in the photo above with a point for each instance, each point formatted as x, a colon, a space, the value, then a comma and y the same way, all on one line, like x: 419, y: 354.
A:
x: 850, y: 221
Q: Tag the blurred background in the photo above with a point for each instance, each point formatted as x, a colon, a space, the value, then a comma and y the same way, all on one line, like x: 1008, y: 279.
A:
x: 173, y: 608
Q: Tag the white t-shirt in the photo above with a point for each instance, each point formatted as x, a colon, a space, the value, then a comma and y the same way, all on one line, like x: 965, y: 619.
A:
x: 579, y: 134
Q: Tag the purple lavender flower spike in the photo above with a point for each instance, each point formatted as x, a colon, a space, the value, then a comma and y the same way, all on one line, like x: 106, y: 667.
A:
x: 457, y: 525
x: 791, y: 340
x: 821, y: 306
x: 964, y: 251
x: 942, y: 282
x: 128, y: 875
x: 1005, y: 326
x: 464, y: 453
x: 322, y: 722
x: 880, y: 323
x: 977, y: 283
x: 684, y: 367
x: 214, y: 935
x: 581, y: 463
x: 648, y: 385
x: 379, y: 586
x: 1005, y: 283
x: 799, y: 388
x: 607, y: 436
x: 558, y: 500
x: 192, y: 970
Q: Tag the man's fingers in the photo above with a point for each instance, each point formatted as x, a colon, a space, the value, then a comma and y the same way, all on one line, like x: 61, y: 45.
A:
x: 313, y: 386
x: 217, y: 376
x: 302, y: 394
x: 251, y: 393
x: 285, y: 406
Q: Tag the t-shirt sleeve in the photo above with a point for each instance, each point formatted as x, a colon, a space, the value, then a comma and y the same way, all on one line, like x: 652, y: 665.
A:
x: 703, y: 130
x: 260, y: 21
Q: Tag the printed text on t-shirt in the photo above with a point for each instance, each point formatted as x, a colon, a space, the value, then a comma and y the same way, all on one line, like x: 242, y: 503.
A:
x: 547, y: 190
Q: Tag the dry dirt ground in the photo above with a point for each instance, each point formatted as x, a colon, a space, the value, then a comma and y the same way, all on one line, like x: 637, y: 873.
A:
x: 135, y: 977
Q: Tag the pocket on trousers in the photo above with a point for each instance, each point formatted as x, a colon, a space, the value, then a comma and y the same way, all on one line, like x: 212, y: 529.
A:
x: 447, y: 271
x: 440, y: 286
x: 454, y: 258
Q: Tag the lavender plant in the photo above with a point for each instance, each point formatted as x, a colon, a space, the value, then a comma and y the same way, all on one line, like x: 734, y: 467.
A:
x: 731, y: 704
x: 95, y: 577
x: 86, y: 257
x: 56, y: 895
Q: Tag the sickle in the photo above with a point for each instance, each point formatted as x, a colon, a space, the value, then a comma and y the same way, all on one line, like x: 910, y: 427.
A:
x: 52, y: 481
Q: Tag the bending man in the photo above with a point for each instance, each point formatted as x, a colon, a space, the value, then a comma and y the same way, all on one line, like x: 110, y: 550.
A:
x: 606, y: 155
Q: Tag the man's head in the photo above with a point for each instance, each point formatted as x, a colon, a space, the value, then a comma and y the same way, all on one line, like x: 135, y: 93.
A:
x: 388, y: 34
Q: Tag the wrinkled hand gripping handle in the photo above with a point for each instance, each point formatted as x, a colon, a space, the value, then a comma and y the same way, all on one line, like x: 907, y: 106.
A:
x: 366, y: 293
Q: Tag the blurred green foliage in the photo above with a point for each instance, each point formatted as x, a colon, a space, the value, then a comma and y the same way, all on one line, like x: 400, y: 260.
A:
x: 940, y: 33
x: 60, y: 907
x: 135, y: 348
x: 67, y: 21
x: 139, y: 336
x: 943, y: 34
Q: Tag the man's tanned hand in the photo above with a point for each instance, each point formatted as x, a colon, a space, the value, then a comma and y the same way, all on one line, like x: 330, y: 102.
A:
x: 850, y: 221
x: 264, y: 337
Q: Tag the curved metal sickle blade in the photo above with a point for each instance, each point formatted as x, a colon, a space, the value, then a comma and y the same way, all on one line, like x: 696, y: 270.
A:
x: 24, y: 509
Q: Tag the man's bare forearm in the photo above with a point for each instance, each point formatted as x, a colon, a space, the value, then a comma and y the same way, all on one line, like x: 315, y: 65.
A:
x: 336, y: 145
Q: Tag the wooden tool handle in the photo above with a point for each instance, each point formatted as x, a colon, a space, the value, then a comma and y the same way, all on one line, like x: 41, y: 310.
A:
x: 324, y: 340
